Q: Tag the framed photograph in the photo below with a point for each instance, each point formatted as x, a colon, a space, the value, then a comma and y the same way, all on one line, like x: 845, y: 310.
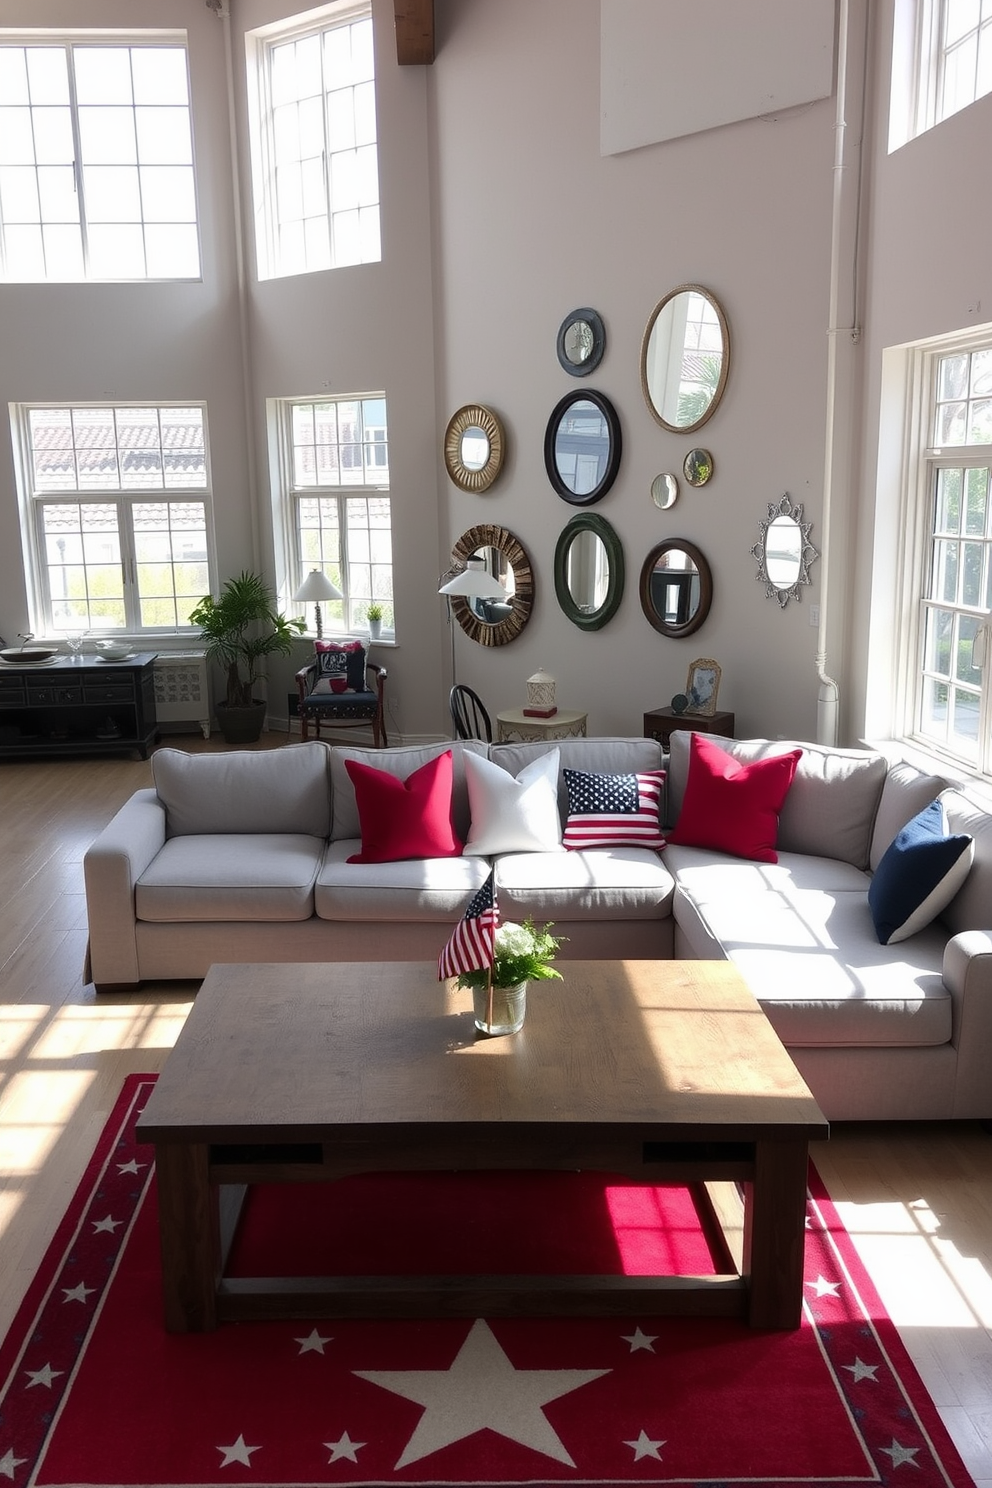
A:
x: 702, y: 686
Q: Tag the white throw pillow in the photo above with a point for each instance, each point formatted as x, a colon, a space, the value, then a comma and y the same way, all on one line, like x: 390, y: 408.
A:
x: 513, y: 813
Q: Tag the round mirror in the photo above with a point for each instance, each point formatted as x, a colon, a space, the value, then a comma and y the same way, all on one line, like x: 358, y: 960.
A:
x: 676, y: 587
x: 494, y: 622
x: 685, y: 357
x: 473, y: 447
x: 664, y: 491
x: 697, y: 467
x: 581, y: 342
x: 582, y: 447
x: 589, y: 571
x: 783, y: 551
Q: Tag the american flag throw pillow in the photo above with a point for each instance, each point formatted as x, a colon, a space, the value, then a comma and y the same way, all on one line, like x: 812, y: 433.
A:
x: 613, y: 810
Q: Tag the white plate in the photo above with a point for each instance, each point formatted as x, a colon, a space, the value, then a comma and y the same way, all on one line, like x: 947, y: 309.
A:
x: 49, y: 661
x: 128, y: 656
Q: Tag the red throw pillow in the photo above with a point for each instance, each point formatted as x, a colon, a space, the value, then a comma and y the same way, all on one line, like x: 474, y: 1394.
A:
x: 405, y: 818
x: 733, y: 807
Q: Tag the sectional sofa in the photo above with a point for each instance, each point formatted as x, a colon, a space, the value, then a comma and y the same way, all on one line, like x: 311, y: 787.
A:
x: 251, y: 857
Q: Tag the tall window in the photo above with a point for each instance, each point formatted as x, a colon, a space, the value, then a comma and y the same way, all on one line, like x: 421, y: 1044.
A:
x: 954, y: 702
x: 115, y: 512
x: 96, y: 161
x: 337, y: 483
x: 315, y: 166
x: 942, y: 62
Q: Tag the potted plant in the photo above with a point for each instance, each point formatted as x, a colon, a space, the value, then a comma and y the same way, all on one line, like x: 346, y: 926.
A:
x: 374, y: 613
x: 499, y: 996
x: 240, y: 628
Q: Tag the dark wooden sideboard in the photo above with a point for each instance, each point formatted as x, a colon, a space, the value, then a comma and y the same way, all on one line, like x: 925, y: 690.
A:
x: 78, y: 705
x: 661, y: 723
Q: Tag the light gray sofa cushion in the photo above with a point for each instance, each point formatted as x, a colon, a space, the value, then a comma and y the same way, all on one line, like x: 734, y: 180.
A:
x: 415, y: 889
x: 607, y: 756
x: 971, y: 907
x: 245, y: 791
x: 235, y: 876
x: 832, y: 802
x: 906, y: 792
x: 617, y: 883
x: 400, y: 761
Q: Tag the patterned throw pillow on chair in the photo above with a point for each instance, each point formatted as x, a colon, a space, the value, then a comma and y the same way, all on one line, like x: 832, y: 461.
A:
x: 342, y: 666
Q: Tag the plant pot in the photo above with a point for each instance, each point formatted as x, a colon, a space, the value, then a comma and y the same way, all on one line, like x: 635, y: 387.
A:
x: 241, y: 725
x: 375, y: 629
x: 508, y: 1009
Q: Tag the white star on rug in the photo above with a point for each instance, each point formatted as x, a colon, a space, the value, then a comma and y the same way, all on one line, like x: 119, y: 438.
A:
x: 9, y: 1464
x: 313, y: 1343
x: 481, y: 1389
x: 344, y: 1447
x: 645, y: 1447
x: 639, y: 1340
x: 824, y: 1288
x: 43, y: 1376
x: 106, y: 1226
x: 130, y: 1167
x: 900, y: 1454
x: 237, y: 1452
x: 859, y: 1371
x: 77, y: 1293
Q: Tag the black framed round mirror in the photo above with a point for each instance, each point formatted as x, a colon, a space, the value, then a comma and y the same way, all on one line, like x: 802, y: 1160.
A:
x: 589, y: 571
x: 474, y: 446
x: 582, y: 447
x: 495, y: 622
x: 676, y: 587
x: 581, y: 342
x: 685, y: 358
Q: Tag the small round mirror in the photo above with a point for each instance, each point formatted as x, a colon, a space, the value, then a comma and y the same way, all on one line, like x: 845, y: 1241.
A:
x: 581, y: 342
x: 697, y: 467
x: 589, y: 571
x: 783, y: 551
x: 676, y: 587
x: 664, y: 491
x: 685, y: 358
x: 474, y: 446
x: 582, y: 447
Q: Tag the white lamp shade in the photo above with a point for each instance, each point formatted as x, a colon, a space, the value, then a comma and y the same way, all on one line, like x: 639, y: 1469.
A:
x: 317, y: 586
x: 474, y: 582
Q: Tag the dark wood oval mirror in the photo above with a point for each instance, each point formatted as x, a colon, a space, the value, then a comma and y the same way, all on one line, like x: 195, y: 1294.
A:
x: 676, y: 587
x: 582, y: 447
x: 685, y: 358
x: 589, y: 571
x: 491, y: 622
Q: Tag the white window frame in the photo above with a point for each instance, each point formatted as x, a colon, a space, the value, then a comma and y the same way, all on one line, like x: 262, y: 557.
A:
x: 43, y: 619
x: 72, y: 40
x: 921, y: 462
x: 918, y: 71
x: 259, y: 47
x: 290, y: 557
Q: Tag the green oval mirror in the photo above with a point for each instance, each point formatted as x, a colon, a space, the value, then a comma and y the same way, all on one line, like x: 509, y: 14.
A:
x: 589, y: 571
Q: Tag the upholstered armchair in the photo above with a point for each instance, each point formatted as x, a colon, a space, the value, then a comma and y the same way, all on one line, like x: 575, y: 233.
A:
x: 337, y: 691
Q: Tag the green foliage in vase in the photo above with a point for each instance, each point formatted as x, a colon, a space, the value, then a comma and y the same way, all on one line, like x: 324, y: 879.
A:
x: 523, y: 954
x: 240, y: 628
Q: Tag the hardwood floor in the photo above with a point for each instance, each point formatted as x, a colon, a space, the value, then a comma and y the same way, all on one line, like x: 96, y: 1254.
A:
x: 917, y: 1199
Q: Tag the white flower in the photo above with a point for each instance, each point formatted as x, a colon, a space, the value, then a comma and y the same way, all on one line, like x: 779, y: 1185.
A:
x: 513, y: 940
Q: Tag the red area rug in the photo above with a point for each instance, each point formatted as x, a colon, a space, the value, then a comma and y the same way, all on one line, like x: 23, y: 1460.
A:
x: 94, y: 1392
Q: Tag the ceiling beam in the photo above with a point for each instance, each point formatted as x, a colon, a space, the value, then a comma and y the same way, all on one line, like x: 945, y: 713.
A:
x: 414, y: 31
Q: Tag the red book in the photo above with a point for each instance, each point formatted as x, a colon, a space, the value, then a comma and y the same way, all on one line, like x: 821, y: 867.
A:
x: 539, y: 712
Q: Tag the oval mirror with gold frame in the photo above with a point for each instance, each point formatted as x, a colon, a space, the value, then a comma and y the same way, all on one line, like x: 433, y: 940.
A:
x: 676, y: 587
x: 474, y: 447
x: 685, y: 358
x: 505, y: 557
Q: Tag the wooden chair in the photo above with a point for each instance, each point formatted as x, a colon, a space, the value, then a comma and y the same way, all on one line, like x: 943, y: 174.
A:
x: 468, y: 714
x: 336, y: 691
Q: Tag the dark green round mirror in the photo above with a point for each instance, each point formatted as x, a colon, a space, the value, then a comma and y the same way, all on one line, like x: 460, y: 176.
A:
x: 589, y: 571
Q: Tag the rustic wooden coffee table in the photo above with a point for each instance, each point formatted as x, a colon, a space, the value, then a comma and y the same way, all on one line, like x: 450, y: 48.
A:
x: 663, y: 1071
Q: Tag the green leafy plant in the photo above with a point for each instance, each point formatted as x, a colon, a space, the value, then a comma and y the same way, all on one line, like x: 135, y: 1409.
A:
x: 242, y: 627
x: 374, y: 611
x: 523, y: 954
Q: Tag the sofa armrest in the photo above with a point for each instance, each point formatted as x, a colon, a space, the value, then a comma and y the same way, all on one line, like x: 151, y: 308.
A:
x: 968, y: 978
x: 112, y: 865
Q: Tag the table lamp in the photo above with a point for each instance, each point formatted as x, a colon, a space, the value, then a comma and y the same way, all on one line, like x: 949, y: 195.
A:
x: 315, y: 587
x: 474, y: 581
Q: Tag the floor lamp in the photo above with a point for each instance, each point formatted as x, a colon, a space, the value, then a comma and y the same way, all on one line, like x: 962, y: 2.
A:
x: 315, y: 587
x: 474, y: 581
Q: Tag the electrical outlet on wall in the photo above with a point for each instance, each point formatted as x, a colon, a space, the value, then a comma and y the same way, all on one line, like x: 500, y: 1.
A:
x: 814, y: 614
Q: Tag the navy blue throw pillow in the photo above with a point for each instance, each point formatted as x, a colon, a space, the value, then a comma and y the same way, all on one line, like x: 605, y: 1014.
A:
x: 918, y: 876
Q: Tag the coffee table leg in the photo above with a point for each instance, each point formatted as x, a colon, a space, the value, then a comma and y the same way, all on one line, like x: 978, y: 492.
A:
x: 775, y: 1234
x: 189, y: 1237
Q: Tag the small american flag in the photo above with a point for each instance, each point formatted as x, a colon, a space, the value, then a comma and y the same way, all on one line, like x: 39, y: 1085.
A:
x: 613, y: 810
x: 472, y: 945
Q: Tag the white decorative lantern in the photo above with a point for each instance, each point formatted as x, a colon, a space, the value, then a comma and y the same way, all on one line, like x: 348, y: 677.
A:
x: 541, y: 690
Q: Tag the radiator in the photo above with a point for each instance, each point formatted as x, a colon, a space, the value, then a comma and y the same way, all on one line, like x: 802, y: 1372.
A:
x: 181, y: 694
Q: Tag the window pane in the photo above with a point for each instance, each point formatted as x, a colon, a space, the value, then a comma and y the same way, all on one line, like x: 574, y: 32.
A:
x: 964, y: 723
x: 53, y: 136
x: 103, y: 74
x: 47, y: 74
x: 112, y: 194
x: 937, y: 652
x: 159, y: 75
x: 107, y: 136
x: 163, y: 136
x: 952, y: 423
x: 948, y: 518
